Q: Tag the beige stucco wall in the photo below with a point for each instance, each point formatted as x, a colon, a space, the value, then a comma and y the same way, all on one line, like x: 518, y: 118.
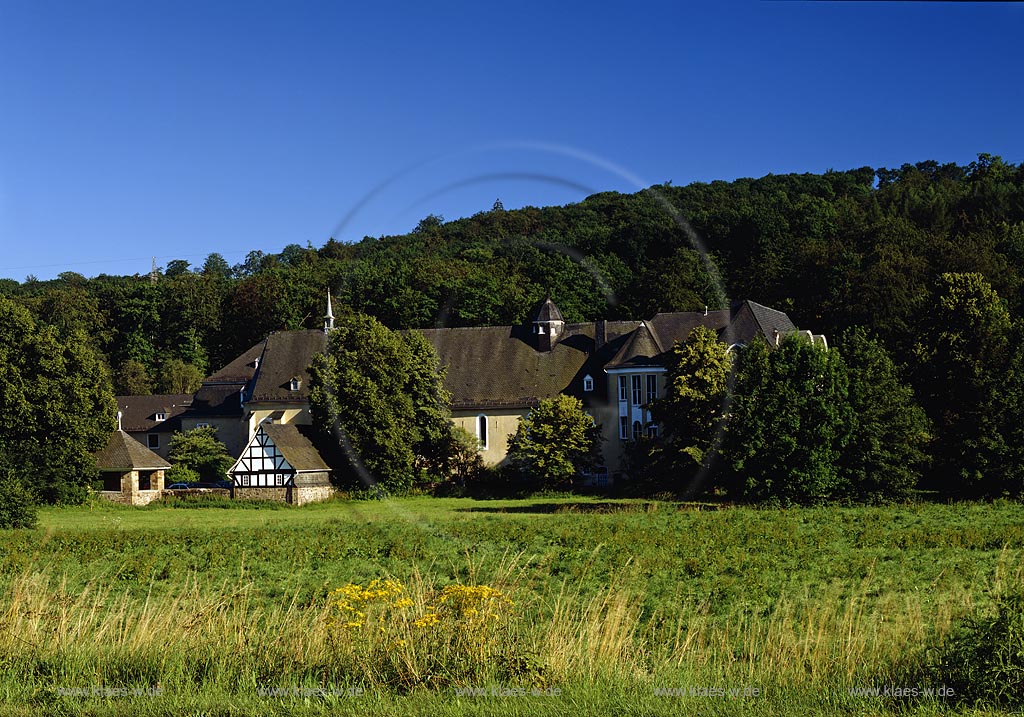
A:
x: 500, y: 424
x: 292, y: 415
x: 229, y: 431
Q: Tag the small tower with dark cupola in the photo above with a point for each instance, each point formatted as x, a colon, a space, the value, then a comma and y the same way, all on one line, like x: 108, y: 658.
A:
x: 547, y: 324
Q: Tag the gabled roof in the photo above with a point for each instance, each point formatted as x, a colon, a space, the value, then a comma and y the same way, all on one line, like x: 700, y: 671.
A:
x: 750, y: 319
x: 642, y: 349
x: 123, y: 453
x: 287, y: 355
x: 138, y: 413
x: 295, y: 447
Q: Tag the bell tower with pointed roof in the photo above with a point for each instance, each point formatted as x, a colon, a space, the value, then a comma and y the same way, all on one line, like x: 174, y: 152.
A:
x: 547, y: 324
x: 329, y: 316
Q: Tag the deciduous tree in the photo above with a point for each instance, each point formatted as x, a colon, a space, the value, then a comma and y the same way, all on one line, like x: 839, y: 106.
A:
x: 555, y: 440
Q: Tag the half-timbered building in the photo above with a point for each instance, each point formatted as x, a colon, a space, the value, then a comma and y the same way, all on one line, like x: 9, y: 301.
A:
x: 279, y: 463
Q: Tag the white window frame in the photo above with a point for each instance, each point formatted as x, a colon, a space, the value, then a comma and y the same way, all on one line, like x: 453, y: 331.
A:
x: 638, y: 430
x: 481, y: 423
x: 624, y: 428
x: 160, y: 416
x: 588, y: 383
x: 623, y: 389
x: 637, y: 386
x: 652, y: 387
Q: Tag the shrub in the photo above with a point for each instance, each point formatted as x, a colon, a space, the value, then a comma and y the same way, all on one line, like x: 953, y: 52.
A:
x: 200, y: 452
x: 457, y: 635
x: 17, y: 505
x: 983, y: 660
x: 180, y: 473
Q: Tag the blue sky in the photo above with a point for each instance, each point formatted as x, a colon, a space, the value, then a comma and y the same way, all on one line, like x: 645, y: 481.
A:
x: 175, y: 129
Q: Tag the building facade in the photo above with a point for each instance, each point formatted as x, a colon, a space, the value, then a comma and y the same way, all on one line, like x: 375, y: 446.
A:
x: 495, y: 374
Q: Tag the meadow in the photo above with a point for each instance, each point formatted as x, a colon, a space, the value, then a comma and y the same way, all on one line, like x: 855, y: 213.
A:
x: 544, y: 606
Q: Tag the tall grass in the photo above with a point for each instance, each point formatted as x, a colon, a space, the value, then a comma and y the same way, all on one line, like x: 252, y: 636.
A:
x: 195, y: 639
x: 606, y: 607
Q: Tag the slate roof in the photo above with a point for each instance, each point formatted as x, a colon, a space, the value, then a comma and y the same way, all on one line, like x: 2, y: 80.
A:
x: 138, y: 413
x: 642, y: 349
x: 546, y: 311
x: 218, y: 400
x: 287, y: 355
x: 295, y: 447
x: 498, y: 366
x: 123, y: 453
x: 242, y: 369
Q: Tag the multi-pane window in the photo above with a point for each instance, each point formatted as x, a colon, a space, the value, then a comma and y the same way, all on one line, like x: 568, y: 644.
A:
x: 652, y: 387
x: 637, y: 391
x: 622, y: 388
x: 652, y: 430
x: 153, y: 441
x: 588, y: 383
x: 623, y: 427
x: 637, y: 430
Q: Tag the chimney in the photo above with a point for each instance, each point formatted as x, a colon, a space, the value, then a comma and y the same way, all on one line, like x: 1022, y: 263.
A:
x: 600, y: 334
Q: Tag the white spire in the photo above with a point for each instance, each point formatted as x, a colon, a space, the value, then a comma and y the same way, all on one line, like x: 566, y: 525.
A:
x: 329, y: 317
x: 119, y: 421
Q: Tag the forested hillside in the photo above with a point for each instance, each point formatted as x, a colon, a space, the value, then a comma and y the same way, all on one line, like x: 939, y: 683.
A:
x: 860, y: 247
x: 928, y: 258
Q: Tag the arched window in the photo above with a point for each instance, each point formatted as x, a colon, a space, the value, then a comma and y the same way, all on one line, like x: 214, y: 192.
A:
x: 638, y: 430
x: 481, y: 430
x: 588, y: 383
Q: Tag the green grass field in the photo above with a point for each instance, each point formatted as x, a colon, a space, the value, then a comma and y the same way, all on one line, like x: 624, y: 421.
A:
x: 612, y: 601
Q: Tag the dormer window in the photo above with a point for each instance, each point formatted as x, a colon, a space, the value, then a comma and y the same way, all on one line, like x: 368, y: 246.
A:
x: 160, y: 416
x: 295, y: 384
x: 588, y: 383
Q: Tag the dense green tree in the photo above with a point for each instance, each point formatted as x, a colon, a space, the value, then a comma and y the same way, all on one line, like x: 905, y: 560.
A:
x: 691, y: 412
x: 555, y: 440
x: 377, y: 402
x: 176, y: 267
x: 199, y: 450
x: 789, y: 425
x: 176, y: 376
x: 962, y: 358
x: 58, y: 407
x: 132, y: 379
x: 17, y: 505
x: 217, y: 267
x: 887, y: 446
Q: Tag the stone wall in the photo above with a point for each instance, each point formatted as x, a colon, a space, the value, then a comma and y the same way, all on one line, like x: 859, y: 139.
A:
x: 142, y: 497
x: 300, y: 495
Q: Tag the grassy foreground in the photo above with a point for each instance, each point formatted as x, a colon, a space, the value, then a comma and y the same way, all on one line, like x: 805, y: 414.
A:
x: 590, y: 607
